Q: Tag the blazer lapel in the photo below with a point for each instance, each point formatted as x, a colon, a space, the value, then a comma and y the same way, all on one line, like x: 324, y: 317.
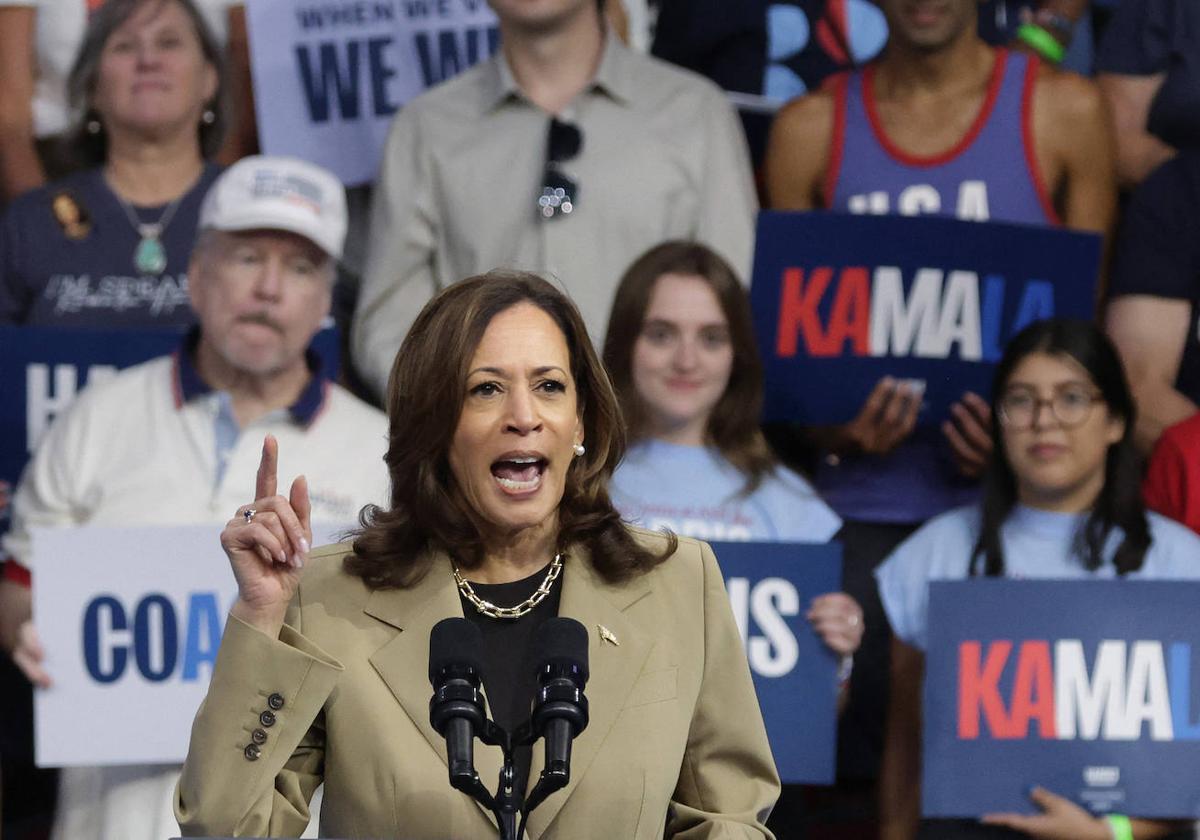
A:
x: 403, y: 663
x: 614, y: 668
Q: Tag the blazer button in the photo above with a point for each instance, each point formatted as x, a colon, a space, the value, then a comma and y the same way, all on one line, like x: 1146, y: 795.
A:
x: 259, y: 736
x: 267, y: 718
x: 275, y: 701
x: 252, y: 752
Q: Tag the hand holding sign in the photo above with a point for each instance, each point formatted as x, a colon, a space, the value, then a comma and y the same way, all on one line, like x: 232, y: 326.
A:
x: 969, y: 434
x: 1061, y: 819
x: 267, y: 542
x: 18, y: 637
x: 838, y: 620
x: 886, y: 419
x: 29, y: 655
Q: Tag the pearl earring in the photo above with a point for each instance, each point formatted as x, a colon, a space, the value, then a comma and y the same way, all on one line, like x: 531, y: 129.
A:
x: 93, y: 127
x: 208, y: 117
x: 579, y: 450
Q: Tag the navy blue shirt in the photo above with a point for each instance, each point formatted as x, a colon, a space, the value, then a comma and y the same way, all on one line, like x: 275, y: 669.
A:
x: 1158, y: 251
x: 66, y: 257
x: 1147, y: 37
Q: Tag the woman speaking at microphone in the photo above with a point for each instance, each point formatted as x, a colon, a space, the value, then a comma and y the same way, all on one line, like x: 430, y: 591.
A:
x: 504, y: 431
x: 1061, y: 500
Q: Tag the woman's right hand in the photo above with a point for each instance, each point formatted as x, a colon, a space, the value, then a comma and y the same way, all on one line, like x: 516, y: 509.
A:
x: 268, y: 548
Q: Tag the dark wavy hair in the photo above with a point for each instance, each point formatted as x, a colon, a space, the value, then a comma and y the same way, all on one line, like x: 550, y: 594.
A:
x: 87, y: 149
x: 733, y: 426
x: 425, y: 396
x: 1119, y: 504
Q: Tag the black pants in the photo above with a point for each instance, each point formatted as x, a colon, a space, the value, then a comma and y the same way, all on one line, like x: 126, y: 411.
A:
x: 860, y: 731
x: 28, y: 793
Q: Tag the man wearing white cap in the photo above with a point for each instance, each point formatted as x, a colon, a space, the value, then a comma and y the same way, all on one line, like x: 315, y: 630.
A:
x: 176, y: 440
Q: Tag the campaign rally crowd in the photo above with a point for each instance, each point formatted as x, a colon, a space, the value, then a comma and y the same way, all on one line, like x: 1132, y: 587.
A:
x: 600, y: 147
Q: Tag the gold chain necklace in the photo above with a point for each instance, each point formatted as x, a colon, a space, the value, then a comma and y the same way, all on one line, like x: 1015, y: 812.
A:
x: 492, y: 611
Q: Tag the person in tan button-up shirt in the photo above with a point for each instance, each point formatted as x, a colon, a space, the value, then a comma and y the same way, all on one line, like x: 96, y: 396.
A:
x: 324, y: 679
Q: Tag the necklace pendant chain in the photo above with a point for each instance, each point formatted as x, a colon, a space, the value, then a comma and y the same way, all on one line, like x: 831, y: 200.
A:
x: 150, y: 255
x: 524, y: 608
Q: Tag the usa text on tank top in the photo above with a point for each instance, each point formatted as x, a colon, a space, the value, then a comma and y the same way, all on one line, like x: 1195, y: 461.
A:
x: 990, y: 174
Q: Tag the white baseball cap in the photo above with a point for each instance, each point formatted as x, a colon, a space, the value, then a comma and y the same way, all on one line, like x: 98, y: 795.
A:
x: 279, y: 193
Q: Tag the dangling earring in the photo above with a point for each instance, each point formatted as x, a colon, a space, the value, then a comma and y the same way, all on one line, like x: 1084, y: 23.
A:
x: 93, y: 126
x: 579, y: 450
x: 208, y: 117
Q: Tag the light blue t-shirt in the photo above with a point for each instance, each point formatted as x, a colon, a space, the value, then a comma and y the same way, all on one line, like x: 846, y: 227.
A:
x: 1036, y: 544
x: 695, y: 492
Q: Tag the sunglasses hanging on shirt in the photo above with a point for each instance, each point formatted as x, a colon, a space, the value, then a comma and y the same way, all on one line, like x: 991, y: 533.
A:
x: 560, y: 193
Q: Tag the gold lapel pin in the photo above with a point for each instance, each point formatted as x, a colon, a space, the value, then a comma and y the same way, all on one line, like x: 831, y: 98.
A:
x: 607, y: 635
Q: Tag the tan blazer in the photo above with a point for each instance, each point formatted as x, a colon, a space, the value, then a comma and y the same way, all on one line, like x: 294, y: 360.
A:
x: 675, y: 744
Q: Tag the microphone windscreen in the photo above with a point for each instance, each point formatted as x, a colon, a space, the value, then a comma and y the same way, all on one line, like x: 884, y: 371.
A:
x: 559, y: 642
x: 457, y: 642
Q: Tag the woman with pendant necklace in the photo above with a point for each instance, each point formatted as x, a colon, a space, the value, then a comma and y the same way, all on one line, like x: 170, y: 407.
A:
x: 503, y: 432
x: 109, y: 246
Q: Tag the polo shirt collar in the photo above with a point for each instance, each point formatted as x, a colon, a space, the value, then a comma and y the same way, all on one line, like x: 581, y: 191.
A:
x: 189, y: 385
x: 614, y: 75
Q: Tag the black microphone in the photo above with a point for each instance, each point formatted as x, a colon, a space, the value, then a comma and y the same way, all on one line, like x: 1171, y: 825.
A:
x: 560, y: 711
x: 457, y: 708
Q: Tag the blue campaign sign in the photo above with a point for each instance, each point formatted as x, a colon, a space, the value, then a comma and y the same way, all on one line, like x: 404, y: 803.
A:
x: 1083, y: 687
x: 842, y: 300
x: 43, y: 368
x: 771, y: 586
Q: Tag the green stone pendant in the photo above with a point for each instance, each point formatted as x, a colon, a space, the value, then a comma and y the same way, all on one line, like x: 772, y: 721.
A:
x: 150, y: 257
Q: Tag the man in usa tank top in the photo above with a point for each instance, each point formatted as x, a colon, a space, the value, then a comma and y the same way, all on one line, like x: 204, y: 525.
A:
x: 940, y: 124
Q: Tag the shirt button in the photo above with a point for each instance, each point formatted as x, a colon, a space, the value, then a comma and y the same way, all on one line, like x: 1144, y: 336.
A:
x: 259, y: 736
x: 275, y: 701
x: 252, y: 752
x: 267, y: 718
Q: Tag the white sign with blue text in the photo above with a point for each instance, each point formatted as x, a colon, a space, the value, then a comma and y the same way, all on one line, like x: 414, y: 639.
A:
x: 130, y: 619
x: 329, y: 74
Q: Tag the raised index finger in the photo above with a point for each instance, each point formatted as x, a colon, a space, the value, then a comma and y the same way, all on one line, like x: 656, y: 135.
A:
x: 266, y: 483
x: 303, y: 507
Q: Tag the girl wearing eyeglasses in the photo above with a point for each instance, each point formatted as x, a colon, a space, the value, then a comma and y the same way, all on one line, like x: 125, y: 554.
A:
x: 1060, y: 500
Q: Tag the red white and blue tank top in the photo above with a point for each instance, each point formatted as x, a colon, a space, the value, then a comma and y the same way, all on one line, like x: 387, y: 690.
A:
x: 990, y: 174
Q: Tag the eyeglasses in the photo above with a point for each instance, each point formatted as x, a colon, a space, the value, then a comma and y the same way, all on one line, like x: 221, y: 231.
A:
x: 1071, y: 406
x: 560, y: 194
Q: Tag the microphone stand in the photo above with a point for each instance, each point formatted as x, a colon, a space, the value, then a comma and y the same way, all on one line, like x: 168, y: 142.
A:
x: 458, y: 711
x: 509, y: 803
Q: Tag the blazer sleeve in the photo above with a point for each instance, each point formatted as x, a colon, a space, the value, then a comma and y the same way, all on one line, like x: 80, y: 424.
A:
x: 728, y: 783
x: 232, y: 786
